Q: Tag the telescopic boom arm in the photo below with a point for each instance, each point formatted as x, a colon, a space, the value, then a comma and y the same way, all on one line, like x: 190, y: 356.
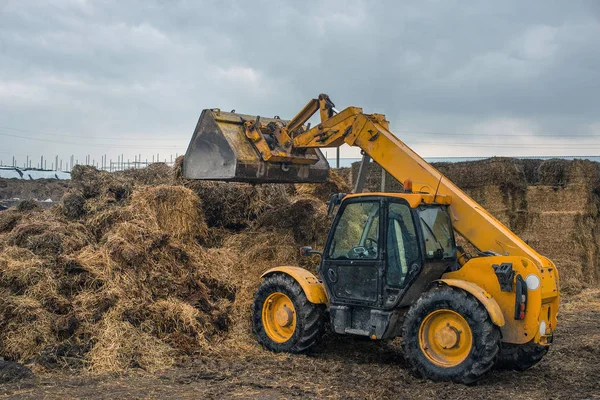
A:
x: 370, y: 132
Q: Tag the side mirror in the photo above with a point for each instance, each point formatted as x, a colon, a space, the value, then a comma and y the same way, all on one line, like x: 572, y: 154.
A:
x: 308, y: 251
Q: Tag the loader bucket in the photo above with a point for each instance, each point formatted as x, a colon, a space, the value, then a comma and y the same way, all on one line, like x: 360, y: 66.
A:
x: 220, y: 150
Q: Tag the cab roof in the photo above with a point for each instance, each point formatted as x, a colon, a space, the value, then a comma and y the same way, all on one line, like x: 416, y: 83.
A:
x: 413, y: 199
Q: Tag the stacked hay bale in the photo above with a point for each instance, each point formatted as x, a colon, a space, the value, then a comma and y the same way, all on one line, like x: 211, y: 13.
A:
x: 373, y: 178
x: 564, y: 219
x: 551, y: 204
x: 554, y: 205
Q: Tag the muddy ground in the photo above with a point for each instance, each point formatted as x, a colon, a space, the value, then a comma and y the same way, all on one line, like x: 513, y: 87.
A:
x: 41, y: 189
x: 44, y: 191
x: 349, y: 369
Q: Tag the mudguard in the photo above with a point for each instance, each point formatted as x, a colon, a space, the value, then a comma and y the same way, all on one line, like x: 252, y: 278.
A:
x: 484, y: 298
x: 312, y: 287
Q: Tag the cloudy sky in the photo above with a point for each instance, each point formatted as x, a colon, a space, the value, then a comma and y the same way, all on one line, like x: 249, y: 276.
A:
x: 455, y: 78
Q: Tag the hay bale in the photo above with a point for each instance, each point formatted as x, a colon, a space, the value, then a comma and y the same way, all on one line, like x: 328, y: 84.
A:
x: 120, y: 346
x: 48, y: 237
x: 93, y: 183
x: 571, y: 198
x: 154, y: 174
x: 27, y: 205
x: 101, y: 216
x: 19, y: 268
x: 571, y: 287
x: 261, y: 251
x: 176, y: 210
x: 73, y: 205
x: 323, y: 191
x: 557, y: 172
x: 373, y: 178
x: 25, y: 327
x: 306, y: 217
x: 90, y: 305
x: 499, y: 171
x: 235, y: 205
x: 8, y: 220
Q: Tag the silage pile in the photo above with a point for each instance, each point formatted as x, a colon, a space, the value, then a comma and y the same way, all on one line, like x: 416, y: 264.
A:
x: 137, y: 269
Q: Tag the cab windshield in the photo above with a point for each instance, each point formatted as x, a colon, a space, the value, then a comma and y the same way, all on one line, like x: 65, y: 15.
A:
x: 437, y: 233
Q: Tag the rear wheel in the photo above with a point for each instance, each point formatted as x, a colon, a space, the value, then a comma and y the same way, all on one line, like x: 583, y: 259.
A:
x: 283, y: 318
x: 520, y: 357
x: 449, y: 336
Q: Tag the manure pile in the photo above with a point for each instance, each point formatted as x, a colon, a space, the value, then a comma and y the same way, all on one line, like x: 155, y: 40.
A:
x: 136, y: 269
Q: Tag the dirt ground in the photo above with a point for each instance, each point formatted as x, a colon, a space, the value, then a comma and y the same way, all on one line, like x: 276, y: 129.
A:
x: 40, y: 189
x: 349, y: 369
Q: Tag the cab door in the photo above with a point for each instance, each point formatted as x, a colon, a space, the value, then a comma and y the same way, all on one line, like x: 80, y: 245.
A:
x: 402, y: 255
x: 352, y: 261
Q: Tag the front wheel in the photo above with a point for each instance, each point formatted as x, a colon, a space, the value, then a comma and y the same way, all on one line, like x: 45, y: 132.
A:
x: 283, y: 318
x: 449, y: 336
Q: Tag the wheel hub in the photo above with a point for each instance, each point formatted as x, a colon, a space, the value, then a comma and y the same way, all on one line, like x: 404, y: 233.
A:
x: 279, y: 317
x: 447, y: 337
x: 283, y: 316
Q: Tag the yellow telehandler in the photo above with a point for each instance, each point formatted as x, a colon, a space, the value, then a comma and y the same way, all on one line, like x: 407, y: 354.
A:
x: 391, y: 266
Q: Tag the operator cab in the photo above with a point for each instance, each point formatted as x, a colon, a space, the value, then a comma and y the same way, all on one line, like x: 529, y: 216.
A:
x: 382, y: 252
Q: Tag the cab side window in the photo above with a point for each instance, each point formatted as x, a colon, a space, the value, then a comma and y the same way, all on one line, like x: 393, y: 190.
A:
x: 357, y: 233
x: 402, y: 245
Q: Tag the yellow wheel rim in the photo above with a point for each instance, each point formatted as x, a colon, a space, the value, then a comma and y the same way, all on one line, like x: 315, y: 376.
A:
x: 279, y: 317
x: 445, y: 338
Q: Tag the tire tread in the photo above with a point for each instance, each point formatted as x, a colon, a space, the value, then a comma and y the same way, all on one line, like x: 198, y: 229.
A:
x: 310, y: 317
x: 486, y: 336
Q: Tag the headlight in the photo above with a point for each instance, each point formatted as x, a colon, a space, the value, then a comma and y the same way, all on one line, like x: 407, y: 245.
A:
x: 532, y: 281
x: 543, y: 328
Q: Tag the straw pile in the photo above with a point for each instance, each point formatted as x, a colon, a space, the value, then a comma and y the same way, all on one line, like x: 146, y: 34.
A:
x: 137, y: 269
x: 124, y: 274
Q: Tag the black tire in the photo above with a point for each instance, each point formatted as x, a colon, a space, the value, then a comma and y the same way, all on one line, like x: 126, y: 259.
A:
x: 520, y: 357
x: 310, y: 317
x: 485, y: 336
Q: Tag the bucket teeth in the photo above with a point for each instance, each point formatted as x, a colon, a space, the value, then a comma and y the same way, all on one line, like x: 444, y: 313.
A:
x: 221, y: 150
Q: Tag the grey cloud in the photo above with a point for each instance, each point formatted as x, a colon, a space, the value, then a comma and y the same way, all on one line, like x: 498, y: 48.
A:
x: 146, y: 68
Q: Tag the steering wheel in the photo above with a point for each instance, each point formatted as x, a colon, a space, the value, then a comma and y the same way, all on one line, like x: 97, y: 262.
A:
x: 367, y: 251
x: 371, y: 245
